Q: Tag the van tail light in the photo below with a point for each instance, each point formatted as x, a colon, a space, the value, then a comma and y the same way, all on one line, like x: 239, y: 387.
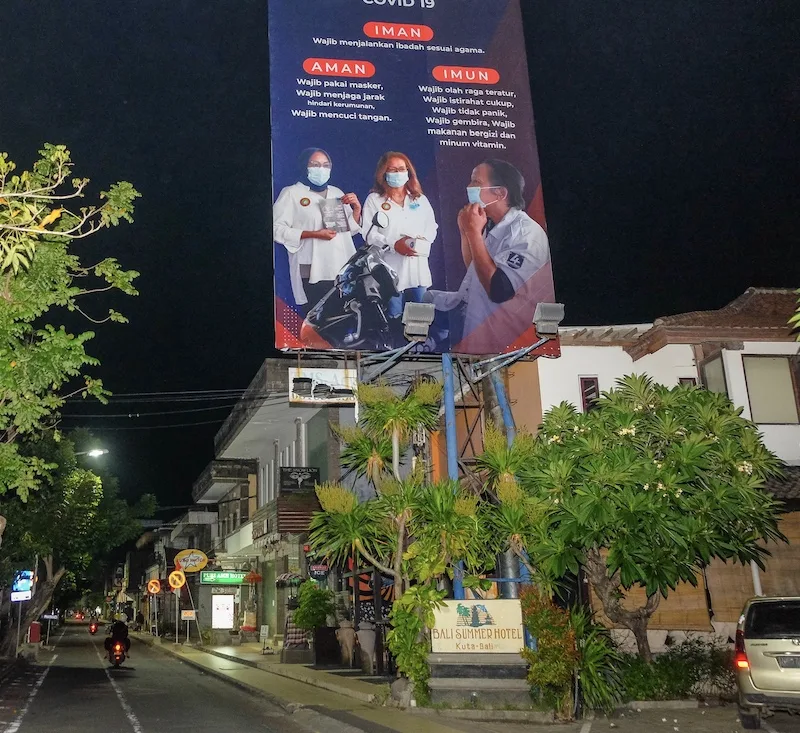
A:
x: 740, y: 660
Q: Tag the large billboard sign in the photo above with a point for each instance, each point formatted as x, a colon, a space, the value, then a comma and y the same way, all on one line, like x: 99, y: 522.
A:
x: 405, y: 170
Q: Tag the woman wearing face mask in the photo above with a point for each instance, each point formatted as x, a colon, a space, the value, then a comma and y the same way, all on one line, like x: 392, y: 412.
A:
x: 316, y: 254
x: 408, y: 238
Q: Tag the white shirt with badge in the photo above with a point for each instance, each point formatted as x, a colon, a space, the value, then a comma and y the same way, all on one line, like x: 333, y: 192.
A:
x: 299, y: 209
x: 415, y: 219
x: 519, y: 247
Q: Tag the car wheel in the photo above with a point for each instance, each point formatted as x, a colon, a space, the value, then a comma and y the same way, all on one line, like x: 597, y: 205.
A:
x: 750, y: 721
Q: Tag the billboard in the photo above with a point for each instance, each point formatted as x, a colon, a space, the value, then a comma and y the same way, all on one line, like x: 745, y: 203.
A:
x: 22, y: 585
x: 405, y: 170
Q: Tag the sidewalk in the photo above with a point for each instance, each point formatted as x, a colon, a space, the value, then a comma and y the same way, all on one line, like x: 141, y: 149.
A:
x: 325, y: 702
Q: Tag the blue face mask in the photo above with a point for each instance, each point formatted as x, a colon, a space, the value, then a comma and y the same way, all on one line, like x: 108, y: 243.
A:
x: 397, y: 180
x: 319, y: 176
x: 474, y: 196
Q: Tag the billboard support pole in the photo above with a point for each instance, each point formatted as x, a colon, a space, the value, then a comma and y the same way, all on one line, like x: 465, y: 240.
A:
x: 505, y: 407
x: 451, y: 441
x: 19, y: 623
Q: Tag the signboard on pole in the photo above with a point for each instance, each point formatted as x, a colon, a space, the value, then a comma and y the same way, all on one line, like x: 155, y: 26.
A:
x: 405, y: 170
x: 177, y: 579
x: 22, y: 586
x: 188, y: 615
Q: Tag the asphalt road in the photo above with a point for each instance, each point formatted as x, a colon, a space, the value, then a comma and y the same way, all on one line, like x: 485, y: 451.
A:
x: 74, y: 689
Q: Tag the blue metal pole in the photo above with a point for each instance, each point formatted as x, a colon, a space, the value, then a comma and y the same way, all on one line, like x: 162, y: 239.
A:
x: 452, y: 450
x: 505, y: 407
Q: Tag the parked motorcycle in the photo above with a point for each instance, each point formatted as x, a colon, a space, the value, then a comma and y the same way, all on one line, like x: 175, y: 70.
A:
x: 352, y: 315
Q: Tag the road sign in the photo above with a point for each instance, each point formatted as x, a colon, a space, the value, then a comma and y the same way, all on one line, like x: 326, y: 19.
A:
x: 189, y: 615
x: 49, y: 617
x: 191, y: 561
x: 153, y: 586
x: 222, y: 577
x: 177, y: 579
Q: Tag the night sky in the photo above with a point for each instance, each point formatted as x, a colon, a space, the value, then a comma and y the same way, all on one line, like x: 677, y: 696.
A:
x: 669, y: 154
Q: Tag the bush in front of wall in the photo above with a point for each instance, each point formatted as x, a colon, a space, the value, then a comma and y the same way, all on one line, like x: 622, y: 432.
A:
x: 694, y: 668
x: 315, y: 604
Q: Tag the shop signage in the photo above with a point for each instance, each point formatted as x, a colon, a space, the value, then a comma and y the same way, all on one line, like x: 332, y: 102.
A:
x: 299, y: 478
x: 222, y: 577
x: 318, y: 571
x: 493, y: 627
x: 191, y: 561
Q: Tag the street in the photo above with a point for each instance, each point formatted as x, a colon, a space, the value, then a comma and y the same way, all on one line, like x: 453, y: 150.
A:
x: 74, y: 689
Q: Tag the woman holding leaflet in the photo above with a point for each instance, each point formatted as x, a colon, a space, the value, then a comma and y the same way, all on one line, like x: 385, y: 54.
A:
x: 408, y: 238
x: 317, y: 250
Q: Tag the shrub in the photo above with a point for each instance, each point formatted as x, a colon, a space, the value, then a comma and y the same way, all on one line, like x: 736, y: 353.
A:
x: 690, y: 669
x: 598, y: 663
x: 315, y: 605
x: 552, y: 663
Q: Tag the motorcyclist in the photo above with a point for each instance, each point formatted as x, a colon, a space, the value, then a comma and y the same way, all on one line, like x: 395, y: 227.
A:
x: 118, y: 631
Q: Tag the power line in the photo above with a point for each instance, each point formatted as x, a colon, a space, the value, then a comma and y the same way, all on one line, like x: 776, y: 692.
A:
x: 152, y: 427
x: 249, y: 400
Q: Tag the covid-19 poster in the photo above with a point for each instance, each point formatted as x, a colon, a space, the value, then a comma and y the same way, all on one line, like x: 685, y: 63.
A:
x: 405, y: 171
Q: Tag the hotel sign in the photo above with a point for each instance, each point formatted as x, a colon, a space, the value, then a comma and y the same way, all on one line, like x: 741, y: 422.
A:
x: 493, y: 627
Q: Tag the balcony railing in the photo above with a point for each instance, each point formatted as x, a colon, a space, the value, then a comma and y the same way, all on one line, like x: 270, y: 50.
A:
x: 233, y: 473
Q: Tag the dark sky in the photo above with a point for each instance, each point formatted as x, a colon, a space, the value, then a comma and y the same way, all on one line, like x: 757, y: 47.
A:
x: 668, y: 143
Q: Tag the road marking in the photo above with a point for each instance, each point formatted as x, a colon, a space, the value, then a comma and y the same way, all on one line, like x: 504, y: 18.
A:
x: 768, y: 727
x: 14, y: 727
x: 127, y: 709
x: 586, y: 727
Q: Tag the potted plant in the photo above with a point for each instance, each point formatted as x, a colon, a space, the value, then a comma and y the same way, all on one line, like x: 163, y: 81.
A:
x: 315, y: 605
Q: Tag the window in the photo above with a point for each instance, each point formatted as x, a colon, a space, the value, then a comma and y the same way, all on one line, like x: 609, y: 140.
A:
x: 590, y: 392
x: 771, y: 389
x: 714, y: 376
x: 687, y: 381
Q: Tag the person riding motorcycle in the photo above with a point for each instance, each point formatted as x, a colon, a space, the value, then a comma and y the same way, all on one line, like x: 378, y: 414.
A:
x: 118, y: 632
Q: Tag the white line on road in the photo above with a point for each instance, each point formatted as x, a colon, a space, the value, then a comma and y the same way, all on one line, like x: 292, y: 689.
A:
x: 127, y: 709
x: 768, y: 727
x: 586, y: 727
x: 14, y: 727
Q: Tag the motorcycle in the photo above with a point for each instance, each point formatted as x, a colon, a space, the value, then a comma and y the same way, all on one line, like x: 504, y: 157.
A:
x: 116, y: 654
x: 352, y: 315
x: 93, y: 628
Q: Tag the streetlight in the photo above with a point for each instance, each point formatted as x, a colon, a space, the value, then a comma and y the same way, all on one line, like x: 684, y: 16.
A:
x: 94, y: 453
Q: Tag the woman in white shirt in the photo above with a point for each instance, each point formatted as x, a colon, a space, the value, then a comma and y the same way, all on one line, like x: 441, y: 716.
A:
x: 408, y: 238
x: 316, y: 253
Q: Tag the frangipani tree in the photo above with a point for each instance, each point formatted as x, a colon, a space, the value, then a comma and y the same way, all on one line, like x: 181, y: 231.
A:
x: 643, y: 490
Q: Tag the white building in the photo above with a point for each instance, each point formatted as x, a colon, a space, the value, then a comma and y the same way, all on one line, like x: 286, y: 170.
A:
x: 745, y: 350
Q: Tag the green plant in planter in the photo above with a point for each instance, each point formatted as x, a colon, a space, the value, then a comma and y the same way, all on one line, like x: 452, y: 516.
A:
x: 314, y: 607
x: 408, y: 640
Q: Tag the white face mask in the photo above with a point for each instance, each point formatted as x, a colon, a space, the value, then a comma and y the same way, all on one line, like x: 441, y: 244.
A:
x: 319, y: 176
x: 397, y: 179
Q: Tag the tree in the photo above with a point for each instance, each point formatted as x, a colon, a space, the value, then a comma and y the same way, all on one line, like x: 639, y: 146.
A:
x: 73, y: 520
x: 643, y: 490
x: 41, y: 277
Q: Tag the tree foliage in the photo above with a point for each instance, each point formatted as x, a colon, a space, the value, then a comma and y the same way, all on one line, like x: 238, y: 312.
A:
x: 71, y: 521
x: 643, y: 491
x: 42, y: 279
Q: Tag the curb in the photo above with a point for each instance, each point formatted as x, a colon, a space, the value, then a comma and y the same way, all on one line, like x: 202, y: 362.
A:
x: 298, y: 676
x: 639, y: 705
x: 534, y: 717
